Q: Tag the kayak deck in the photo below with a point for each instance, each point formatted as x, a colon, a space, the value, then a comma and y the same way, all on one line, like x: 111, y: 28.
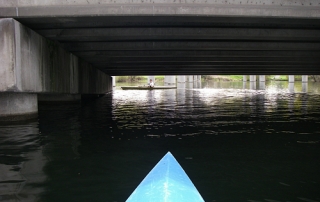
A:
x: 147, y: 87
x: 166, y: 182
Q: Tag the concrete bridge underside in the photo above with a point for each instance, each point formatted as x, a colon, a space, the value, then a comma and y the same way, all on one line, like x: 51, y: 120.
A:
x: 162, y: 37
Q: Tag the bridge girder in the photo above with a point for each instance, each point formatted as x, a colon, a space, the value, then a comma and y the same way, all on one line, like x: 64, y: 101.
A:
x: 227, y: 37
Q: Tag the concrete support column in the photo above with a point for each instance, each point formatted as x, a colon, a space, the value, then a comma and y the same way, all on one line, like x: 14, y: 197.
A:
x: 291, y: 87
x: 253, y: 78
x: 291, y: 78
x: 190, y: 78
x: 253, y: 82
x: 262, y: 82
x: 262, y: 78
x: 304, y: 87
x: 244, y: 78
x: 304, y: 78
x: 169, y: 80
x: 113, y: 81
x: 18, y: 106
x: 181, y: 79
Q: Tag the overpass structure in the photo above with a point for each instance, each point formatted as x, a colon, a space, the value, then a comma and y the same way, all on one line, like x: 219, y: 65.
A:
x: 73, y: 47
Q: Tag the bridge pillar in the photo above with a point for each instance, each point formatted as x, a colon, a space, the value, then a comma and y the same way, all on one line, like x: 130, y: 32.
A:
x: 253, y: 78
x: 304, y: 83
x: 253, y: 82
x: 262, y: 78
x: 304, y: 78
x: 169, y: 80
x: 262, y: 82
x: 291, y: 87
x: 181, y: 79
x: 244, y: 78
x: 18, y: 106
x: 113, y: 81
x: 291, y: 78
x: 190, y: 78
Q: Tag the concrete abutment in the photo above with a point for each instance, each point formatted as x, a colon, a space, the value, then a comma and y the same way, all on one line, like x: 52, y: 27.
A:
x: 18, y: 106
x: 36, y: 69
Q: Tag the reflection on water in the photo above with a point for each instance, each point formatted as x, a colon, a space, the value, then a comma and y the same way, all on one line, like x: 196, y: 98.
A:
x: 235, y: 141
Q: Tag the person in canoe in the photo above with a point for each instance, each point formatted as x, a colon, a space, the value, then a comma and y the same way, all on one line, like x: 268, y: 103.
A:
x: 151, y: 84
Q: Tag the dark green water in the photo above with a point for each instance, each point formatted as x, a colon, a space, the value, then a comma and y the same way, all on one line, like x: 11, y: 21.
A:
x: 235, y: 144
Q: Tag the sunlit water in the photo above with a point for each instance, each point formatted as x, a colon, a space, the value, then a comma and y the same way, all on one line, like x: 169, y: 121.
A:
x: 235, y: 143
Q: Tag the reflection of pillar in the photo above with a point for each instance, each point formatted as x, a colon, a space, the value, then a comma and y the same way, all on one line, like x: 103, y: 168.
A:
x: 304, y: 78
x: 181, y: 79
x: 190, y: 78
x: 291, y: 102
x: 181, y: 92
x: 169, y: 80
x: 197, y: 84
x: 244, y: 85
x: 291, y: 87
x: 262, y: 78
x: 262, y: 85
x: 305, y: 87
x: 244, y: 78
x: 291, y: 78
x: 189, y: 85
x: 113, y: 81
x: 253, y: 85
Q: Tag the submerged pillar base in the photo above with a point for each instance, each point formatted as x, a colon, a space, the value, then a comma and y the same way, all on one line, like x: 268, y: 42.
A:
x: 18, y: 106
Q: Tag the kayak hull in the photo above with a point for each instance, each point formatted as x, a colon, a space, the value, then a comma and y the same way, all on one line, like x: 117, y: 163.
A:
x: 147, y: 87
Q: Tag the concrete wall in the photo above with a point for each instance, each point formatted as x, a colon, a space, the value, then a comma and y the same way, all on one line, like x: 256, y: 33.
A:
x: 15, y: 105
x: 31, y: 63
x: 54, y: 8
x: 6, y: 3
x: 92, y: 80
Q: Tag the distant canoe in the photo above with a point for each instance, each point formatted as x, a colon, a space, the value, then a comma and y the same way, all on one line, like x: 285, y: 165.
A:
x: 166, y: 182
x: 147, y: 87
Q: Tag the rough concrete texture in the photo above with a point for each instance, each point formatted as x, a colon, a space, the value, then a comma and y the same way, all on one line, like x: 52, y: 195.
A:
x: 31, y: 63
x: 6, y: 3
x: 267, y: 8
x: 7, y: 52
x: 17, y: 106
x: 92, y: 80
